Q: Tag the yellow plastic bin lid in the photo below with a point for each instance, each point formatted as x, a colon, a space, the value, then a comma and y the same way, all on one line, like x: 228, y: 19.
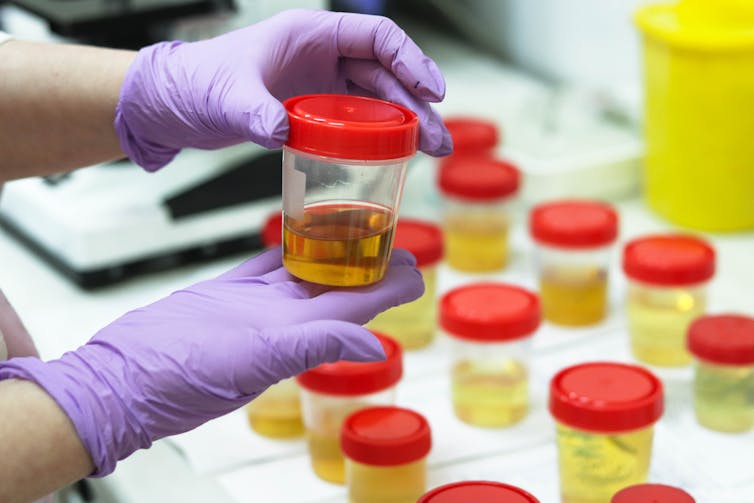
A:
x: 700, y: 24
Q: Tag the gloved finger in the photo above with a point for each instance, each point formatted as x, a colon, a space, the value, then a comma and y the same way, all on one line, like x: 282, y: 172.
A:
x: 288, y: 350
x: 378, y: 38
x: 257, y: 115
x: 371, y: 76
x: 401, y: 284
x: 355, y: 90
x: 266, y: 262
x: 399, y: 256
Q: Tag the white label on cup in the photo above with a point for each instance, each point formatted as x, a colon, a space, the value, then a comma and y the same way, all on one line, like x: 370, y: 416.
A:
x: 294, y: 189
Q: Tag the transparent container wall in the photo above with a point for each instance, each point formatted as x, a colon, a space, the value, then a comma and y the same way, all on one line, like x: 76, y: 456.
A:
x: 658, y: 319
x: 323, y: 418
x: 476, y: 234
x: 276, y: 413
x: 412, y: 325
x: 404, y: 483
x: 724, y: 396
x: 573, y: 284
x: 594, y: 466
x: 490, y: 381
x: 339, y: 217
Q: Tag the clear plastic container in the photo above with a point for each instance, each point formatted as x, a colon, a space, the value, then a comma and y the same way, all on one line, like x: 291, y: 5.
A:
x: 414, y: 324
x: 490, y: 327
x: 478, y: 194
x: 331, y: 392
x: 652, y: 493
x: 605, y: 414
x: 574, y: 239
x: 344, y: 166
x: 478, y: 491
x: 723, y: 347
x: 668, y: 276
x: 386, y: 450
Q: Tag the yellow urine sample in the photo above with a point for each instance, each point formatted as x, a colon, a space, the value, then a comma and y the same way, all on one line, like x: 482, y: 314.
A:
x: 573, y: 295
x: 339, y: 244
x: 476, y: 242
x: 724, y: 396
x: 323, y: 439
x: 658, y: 319
x: 490, y: 394
x: 404, y: 483
x: 594, y: 466
x: 276, y: 413
x: 412, y: 324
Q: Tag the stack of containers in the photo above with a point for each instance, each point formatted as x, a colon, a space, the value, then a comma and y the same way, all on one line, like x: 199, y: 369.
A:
x: 276, y: 413
x: 330, y: 392
x: 490, y: 327
x: 413, y: 324
x: 668, y: 276
x: 574, y: 239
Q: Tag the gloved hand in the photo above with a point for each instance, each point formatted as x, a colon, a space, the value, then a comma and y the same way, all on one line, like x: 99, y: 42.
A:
x: 228, y: 89
x: 204, y: 351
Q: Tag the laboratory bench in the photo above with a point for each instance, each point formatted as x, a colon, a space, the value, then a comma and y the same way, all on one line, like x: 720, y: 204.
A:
x: 224, y: 461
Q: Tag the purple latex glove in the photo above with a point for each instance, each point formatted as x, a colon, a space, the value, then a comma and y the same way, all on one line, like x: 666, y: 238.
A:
x: 228, y: 89
x: 209, y: 349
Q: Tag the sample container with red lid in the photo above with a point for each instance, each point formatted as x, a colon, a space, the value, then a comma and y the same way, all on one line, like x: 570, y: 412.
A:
x: 276, y: 413
x: 490, y: 326
x: 414, y: 324
x: 478, y: 491
x: 472, y: 136
x: 723, y: 349
x: 574, y: 239
x: 667, y: 290
x: 344, y: 167
x: 605, y: 414
x: 478, y: 194
x: 385, y: 450
x: 652, y: 493
x: 332, y: 391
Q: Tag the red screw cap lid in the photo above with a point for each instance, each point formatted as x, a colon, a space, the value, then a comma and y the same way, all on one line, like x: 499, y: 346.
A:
x: 472, y: 135
x: 574, y: 224
x: 489, y: 312
x: 724, y: 338
x: 356, y: 378
x: 385, y: 436
x: 422, y: 239
x: 351, y: 127
x: 478, y: 492
x: 669, y: 259
x: 478, y: 178
x: 652, y: 493
x: 272, y: 232
x: 606, y: 397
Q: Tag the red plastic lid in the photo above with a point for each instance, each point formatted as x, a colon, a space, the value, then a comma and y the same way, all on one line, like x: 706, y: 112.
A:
x: 489, y: 312
x: 422, y: 239
x: 351, y: 127
x: 723, y: 338
x: 478, y: 178
x: 669, y: 259
x: 472, y: 135
x: 385, y: 436
x: 272, y: 232
x: 652, y: 493
x: 606, y: 397
x: 477, y: 491
x: 574, y: 224
x: 357, y: 378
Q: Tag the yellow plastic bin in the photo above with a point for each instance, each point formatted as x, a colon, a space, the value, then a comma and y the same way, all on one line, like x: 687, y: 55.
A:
x: 699, y: 97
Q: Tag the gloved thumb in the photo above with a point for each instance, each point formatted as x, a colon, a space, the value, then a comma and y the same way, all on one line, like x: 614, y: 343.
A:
x: 296, y: 348
x: 265, y: 120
